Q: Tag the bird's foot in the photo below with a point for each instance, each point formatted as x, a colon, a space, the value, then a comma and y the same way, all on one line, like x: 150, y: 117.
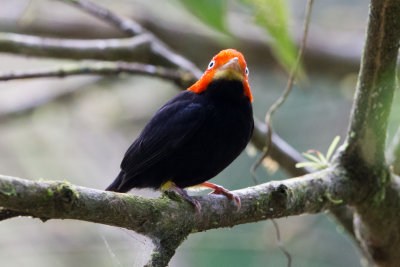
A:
x: 222, y: 191
x: 184, y: 194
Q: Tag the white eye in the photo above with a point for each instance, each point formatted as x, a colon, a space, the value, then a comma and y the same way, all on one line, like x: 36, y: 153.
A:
x: 212, y: 64
x: 247, y: 71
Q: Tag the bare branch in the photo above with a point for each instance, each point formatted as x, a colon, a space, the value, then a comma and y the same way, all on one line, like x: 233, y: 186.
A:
x: 129, y: 49
x: 181, y: 78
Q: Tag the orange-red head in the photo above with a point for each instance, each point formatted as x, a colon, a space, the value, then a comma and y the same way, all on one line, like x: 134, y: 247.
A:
x: 228, y: 64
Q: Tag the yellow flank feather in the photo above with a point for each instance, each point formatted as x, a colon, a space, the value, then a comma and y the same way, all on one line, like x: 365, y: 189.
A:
x: 228, y: 74
x: 167, y: 185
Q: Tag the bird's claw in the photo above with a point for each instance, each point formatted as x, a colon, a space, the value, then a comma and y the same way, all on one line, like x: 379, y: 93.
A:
x: 219, y: 190
x: 196, y: 204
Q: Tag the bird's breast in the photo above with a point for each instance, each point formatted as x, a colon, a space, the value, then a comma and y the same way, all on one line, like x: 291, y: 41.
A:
x: 225, y: 132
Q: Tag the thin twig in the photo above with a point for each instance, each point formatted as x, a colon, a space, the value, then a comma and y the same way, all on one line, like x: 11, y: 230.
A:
x: 104, y: 68
x: 278, y: 235
x: 279, y: 242
x: 271, y: 111
x: 286, y: 92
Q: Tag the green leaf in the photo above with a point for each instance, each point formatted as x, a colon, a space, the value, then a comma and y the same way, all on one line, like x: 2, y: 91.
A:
x: 313, y: 165
x: 321, y: 157
x: 332, y: 147
x: 210, y: 12
x: 273, y: 15
x: 311, y: 157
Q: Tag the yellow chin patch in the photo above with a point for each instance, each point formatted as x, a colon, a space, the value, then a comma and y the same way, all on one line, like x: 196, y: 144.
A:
x: 228, y: 74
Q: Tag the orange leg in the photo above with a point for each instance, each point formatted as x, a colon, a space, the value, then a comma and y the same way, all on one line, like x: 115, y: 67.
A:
x: 220, y: 190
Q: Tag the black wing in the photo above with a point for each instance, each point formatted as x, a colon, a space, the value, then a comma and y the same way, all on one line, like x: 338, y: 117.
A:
x: 171, y: 127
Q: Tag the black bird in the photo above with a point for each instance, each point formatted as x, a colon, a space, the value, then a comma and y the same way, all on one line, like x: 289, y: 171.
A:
x: 195, y: 135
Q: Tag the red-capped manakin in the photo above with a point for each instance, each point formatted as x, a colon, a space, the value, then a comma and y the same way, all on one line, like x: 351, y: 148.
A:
x: 195, y: 135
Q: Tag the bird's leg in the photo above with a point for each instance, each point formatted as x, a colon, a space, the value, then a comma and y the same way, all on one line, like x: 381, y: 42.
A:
x: 188, y: 198
x: 220, y: 190
x: 172, y: 186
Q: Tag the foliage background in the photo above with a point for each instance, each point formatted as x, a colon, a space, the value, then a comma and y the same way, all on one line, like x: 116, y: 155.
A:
x: 82, y: 136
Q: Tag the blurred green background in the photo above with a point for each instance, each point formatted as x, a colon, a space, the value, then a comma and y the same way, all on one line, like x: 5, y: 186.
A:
x: 81, y: 135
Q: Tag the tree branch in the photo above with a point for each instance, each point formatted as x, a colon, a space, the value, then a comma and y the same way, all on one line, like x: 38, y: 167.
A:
x: 369, y: 118
x: 135, y: 48
x: 60, y: 200
x: 156, y: 218
x: 181, y: 78
x: 377, y: 217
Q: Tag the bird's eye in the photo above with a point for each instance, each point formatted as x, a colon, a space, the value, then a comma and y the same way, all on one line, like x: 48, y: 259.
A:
x: 212, y: 63
x: 247, y: 71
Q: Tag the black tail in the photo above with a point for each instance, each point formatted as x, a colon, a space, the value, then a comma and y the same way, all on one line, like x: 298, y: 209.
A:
x: 115, y: 186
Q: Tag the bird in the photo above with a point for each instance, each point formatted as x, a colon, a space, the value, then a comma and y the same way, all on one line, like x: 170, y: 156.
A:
x: 195, y: 135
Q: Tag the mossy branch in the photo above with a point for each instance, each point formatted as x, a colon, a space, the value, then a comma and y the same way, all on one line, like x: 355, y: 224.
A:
x: 167, y: 221
x: 375, y: 88
x: 377, y: 217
